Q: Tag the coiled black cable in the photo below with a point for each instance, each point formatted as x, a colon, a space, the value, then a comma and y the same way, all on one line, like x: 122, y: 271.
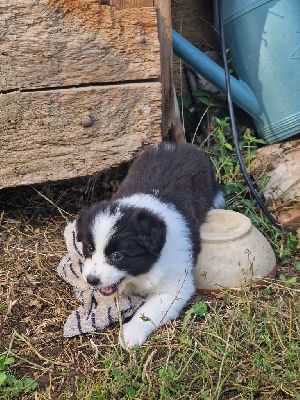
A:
x: 233, y: 123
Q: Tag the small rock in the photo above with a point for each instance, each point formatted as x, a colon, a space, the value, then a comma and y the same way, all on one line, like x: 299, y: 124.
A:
x: 36, y: 303
x: 26, y: 320
x: 281, y: 162
x: 267, y: 159
x: 290, y: 219
x: 87, y: 121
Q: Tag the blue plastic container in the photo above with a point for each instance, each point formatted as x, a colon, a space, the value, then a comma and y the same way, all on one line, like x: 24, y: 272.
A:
x: 264, y: 40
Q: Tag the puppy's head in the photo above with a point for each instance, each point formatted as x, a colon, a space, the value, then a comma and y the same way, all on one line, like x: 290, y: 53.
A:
x: 118, y: 242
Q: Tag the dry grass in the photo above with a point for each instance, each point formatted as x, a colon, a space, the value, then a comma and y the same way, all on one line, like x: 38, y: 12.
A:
x: 34, y: 302
x: 245, y: 348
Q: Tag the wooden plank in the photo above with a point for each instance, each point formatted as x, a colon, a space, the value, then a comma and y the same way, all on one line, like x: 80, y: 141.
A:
x: 171, y: 126
x: 57, y: 43
x: 61, y: 134
x: 166, y: 60
x: 131, y: 3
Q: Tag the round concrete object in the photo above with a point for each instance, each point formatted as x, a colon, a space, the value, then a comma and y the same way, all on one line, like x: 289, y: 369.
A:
x: 233, y: 252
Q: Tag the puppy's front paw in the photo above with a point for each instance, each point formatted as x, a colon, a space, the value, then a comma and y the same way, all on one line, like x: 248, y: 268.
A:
x: 134, y: 334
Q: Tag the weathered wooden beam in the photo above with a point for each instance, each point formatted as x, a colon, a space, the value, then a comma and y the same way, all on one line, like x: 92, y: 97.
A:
x: 131, y: 3
x: 60, y: 134
x: 67, y: 107
x: 171, y: 126
x: 58, y: 43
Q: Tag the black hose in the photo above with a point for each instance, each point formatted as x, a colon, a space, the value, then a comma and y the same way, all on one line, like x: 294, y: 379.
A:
x: 233, y: 124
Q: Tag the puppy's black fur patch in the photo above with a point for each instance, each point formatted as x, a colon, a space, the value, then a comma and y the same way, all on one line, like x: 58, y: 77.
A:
x: 180, y: 175
x: 84, y: 225
x: 139, y: 236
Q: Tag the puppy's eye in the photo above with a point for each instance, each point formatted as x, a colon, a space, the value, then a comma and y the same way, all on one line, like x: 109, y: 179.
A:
x: 89, y: 248
x: 116, y: 256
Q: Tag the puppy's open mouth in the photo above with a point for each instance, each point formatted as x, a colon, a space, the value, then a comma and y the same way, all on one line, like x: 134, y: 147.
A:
x: 109, y: 290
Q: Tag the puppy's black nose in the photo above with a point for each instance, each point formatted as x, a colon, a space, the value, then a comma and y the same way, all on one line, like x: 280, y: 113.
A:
x: 93, y: 280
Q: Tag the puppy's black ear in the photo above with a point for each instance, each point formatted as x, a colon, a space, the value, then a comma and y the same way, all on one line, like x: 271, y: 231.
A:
x: 79, y: 228
x: 85, y: 219
x: 82, y: 222
x: 151, y: 231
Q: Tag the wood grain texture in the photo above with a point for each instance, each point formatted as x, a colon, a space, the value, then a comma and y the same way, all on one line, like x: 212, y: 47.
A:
x: 61, y: 134
x: 163, y: 8
x: 131, y: 3
x: 171, y: 126
x: 57, y: 43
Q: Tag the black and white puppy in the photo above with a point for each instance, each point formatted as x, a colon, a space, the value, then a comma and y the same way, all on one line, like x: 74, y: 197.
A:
x: 146, y: 239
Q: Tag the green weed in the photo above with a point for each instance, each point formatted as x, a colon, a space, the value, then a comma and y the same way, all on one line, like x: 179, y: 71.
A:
x: 246, y: 347
x: 289, y: 248
x: 219, y: 146
x: 197, y: 310
x: 288, y: 282
x: 10, y: 386
x: 198, y: 97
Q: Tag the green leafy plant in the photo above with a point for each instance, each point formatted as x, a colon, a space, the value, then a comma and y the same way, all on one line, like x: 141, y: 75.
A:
x: 219, y: 146
x: 202, y: 97
x: 185, y: 103
x: 289, y: 248
x: 201, y: 362
x: 197, y: 310
x: 288, y: 282
x: 195, y: 102
x: 169, y: 385
x: 10, y: 386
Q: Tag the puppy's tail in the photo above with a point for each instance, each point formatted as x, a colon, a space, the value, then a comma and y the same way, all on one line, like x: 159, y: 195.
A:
x: 219, y: 200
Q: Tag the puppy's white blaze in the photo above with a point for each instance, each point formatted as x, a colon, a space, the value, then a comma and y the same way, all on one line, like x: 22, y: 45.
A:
x: 102, y: 231
x: 219, y: 201
x: 170, y: 282
x: 174, y: 268
x: 108, y: 274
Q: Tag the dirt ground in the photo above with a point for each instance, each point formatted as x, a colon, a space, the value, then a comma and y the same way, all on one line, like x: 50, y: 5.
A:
x: 36, y: 301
